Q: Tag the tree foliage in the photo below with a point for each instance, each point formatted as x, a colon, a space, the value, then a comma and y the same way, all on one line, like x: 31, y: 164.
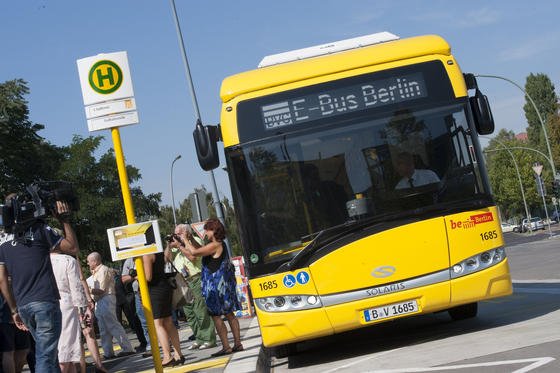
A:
x: 553, y: 128
x: 25, y: 155
x: 98, y: 188
x: 540, y: 88
x: 503, y: 163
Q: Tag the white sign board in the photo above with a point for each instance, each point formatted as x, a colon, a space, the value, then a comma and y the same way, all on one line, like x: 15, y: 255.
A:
x: 134, y: 240
x: 114, y: 120
x: 107, y: 91
x: 110, y: 107
x: 198, y: 228
x: 105, y: 77
x: 538, y: 168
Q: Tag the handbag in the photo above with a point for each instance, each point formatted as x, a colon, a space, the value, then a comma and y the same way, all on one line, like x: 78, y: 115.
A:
x: 182, y: 293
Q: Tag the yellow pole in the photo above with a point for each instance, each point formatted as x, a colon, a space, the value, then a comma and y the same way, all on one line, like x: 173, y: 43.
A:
x: 129, y: 209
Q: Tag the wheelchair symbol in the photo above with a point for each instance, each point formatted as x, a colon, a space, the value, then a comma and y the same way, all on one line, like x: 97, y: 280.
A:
x: 289, y: 281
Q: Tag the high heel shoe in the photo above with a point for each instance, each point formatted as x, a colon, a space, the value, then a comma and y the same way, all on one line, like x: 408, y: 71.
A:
x: 222, y: 352
x: 180, y: 360
x: 170, y: 363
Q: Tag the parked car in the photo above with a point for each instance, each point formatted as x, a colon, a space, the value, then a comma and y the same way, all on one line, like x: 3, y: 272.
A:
x: 535, y: 223
x: 507, y: 227
x: 518, y: 228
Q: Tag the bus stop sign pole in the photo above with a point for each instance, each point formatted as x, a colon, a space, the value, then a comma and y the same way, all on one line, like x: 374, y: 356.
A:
x: 109, y: 102
x: 143, y: 285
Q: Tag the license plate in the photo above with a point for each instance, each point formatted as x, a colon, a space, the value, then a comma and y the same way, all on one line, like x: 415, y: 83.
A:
x: 390, y: 310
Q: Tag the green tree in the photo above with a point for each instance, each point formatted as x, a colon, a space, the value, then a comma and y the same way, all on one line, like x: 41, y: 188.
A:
x: 553, y: 128
x: 540, y: 88
x: 25, y: 156
x: 98, y: 189
x: 503, y: 176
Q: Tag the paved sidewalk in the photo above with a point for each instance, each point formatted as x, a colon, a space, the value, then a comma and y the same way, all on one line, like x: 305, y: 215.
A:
x: 244, y: 361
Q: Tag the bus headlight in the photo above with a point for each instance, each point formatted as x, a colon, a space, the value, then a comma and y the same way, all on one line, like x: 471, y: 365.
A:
x: 485, y: 257
x: 457, y: 268
x: 478, y: 262
x: 279, y: 302
x: 286, y: 303
x: 472, y: 263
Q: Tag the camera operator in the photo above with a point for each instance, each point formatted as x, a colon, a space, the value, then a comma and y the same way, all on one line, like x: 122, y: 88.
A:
x: 32, y: 293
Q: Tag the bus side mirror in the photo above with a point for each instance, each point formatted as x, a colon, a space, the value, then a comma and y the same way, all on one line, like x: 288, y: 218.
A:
x: 205, y: 142
x: 483, y: 118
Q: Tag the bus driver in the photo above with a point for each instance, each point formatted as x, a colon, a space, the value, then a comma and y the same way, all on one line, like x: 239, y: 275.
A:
x: 410, y: 176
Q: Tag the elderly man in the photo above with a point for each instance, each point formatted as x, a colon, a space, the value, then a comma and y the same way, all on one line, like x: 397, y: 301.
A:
x: 197, y: 314
x: 102, y: 285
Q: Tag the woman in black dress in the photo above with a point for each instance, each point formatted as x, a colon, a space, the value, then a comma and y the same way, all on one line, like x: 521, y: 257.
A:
x: 218, y: 284
x: 160, y: 294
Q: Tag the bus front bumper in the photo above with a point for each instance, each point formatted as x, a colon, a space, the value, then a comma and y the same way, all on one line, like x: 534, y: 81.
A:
x: 279, y: 328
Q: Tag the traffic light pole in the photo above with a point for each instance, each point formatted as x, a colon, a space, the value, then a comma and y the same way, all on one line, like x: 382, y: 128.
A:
x: 540, y: 188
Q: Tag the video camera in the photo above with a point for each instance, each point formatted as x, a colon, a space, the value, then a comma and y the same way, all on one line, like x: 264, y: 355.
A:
x: 38, y: 202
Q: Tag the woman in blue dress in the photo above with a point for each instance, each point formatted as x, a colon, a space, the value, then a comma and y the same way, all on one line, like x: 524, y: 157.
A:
x: 218, y: 284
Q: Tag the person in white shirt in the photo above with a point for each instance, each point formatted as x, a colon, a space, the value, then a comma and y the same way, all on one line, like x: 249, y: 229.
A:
x: 411, y: 176
x: 102, y: 287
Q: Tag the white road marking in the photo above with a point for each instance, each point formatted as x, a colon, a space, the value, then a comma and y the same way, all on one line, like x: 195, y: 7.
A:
x: 536, y: 363
x: 536, y: 290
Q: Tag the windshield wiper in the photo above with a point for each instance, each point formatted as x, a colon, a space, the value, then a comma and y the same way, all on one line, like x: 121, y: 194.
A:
x: 351, y: 226
x: 319, y: 237
x: 337, y: 231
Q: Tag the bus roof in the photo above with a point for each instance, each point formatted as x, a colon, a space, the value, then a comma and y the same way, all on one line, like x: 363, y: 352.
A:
x: 271, y: 76
x: 320, y: 50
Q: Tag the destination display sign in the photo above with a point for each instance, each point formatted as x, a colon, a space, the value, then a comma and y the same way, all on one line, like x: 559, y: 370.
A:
x: 353, y: 98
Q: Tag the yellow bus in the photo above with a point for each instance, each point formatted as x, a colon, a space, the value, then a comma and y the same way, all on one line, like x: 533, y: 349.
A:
x: 359, y: 185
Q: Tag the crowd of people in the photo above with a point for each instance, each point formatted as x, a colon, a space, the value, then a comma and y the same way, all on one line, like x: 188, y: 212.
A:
x: 48, y: 307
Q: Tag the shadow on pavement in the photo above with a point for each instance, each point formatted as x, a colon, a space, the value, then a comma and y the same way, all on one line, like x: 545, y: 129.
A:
x: 528, y: 301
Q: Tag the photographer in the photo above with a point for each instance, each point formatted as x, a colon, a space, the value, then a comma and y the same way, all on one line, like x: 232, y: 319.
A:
x: 32, y: 293
x: 197, y: 314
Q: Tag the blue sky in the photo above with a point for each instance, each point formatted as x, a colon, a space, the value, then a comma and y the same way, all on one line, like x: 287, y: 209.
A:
x: 41, y: 41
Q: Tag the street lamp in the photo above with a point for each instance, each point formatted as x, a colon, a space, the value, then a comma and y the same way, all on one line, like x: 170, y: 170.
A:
x: 504, y: 147
x: 533, y: 150
x: 172, y: 195
x: 538, y: 114
x: 216, y: 196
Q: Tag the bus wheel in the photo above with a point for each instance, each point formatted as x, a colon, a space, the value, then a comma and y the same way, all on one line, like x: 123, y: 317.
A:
x: 283, y: 351
x: 466, y: 311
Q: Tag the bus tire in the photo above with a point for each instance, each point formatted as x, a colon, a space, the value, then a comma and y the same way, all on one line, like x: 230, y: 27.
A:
x: 465, y: 311
x: 284, y: 351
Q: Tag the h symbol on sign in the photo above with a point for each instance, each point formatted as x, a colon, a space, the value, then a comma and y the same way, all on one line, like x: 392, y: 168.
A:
x: 101, y: 77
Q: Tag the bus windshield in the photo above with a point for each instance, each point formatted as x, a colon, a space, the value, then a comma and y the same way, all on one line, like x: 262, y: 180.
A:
x: 293, y: 185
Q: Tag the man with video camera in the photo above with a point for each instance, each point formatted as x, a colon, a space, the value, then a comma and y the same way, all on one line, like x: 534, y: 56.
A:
x: 27, y: 280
